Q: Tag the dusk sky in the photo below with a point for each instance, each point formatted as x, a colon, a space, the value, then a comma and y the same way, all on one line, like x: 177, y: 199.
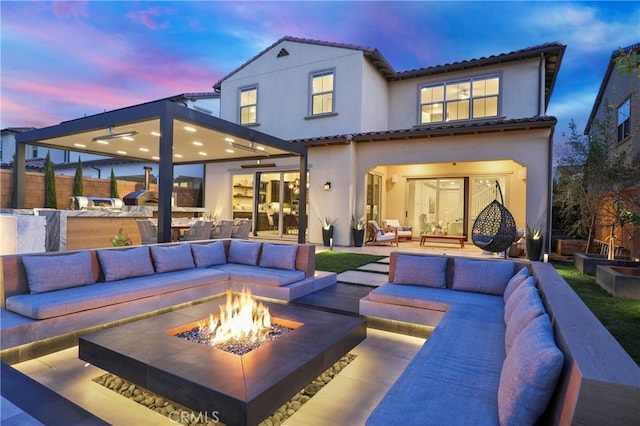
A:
x: 65, y: 60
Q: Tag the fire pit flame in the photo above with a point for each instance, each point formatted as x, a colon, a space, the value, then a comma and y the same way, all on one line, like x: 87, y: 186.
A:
x: 241, y: 318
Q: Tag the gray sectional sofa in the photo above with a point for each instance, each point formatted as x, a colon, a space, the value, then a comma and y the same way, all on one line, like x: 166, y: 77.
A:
x: 63, y: 294
x: 511, y: 344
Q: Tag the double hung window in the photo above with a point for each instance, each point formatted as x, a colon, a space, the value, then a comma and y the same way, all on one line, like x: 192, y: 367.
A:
x: 459, y: 100
x: 322, y: 88
x: 249, y: 105
x: 624, y: 121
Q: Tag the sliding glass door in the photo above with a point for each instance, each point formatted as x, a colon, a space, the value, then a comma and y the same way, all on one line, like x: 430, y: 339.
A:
x: 438, y: 206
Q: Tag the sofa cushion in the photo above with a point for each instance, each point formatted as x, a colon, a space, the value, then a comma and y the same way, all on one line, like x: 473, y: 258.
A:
x: 529, y: 307
x: 172, y: 258
x: 86, y: 298
x: 243, y: 252
x: 271, y: 277
x: 429, y: 271
x: 527, y: 287
x: 279, y: 256
x: 529, y: 374
x: 515, y: 282
x: 49, y: 273
x: 482, y: 276
x: 210, y: 254
x: 128, y: 263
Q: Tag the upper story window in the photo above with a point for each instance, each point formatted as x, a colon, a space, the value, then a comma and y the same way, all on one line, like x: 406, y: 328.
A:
x: 459, y: 100
x: 322, y: 88
x: 624, y: 121
x: 249, y: 105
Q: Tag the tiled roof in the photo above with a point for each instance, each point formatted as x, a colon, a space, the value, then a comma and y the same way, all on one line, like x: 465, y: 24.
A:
x: 552, y: 52
x: 447, y: 129
x: 17, y: 129
x: 605, y: 81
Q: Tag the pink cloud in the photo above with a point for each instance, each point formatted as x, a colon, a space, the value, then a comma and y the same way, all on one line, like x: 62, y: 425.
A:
x: 66, y: 9
x: 149, y: 17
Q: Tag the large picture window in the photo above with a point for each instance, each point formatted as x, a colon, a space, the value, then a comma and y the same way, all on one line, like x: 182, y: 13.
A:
x: 249, y: 105
x: 624, y: 120
x: 322, y: 88
x: 459, y: 100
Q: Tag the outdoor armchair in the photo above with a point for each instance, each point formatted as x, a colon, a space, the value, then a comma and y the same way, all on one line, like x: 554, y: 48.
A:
x: 394, y: 224
x: 378, y: 236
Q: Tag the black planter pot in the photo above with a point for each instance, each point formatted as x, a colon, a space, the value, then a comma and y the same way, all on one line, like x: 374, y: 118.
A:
x: 534, y: 248
x: 358, y: 237
x: 327, y: 235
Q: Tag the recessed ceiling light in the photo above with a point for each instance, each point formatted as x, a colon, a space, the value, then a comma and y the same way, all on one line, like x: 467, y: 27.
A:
x: 121, y: 152
x: 102, y: 142
x: 80, y: 145
x: 202, y: 153
x: 229, y: 140
x: 196, y: 143
x: 144, y: 149
x: 156, y: 134
x: 155, y: 157
x: 229, y: 150
x: 177, y: 155
x: 260, y: 147
x: 189, y: 129
x: 127, y: 138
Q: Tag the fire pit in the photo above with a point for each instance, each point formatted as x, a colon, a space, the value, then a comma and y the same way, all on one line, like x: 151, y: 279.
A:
x: 240, y: 389
x: 242, y: 326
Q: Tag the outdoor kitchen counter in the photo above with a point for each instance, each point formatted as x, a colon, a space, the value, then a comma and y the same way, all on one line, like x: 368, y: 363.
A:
x: 84, y: 229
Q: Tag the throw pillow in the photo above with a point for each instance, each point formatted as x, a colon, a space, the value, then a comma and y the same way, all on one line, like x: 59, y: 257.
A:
x: 172, y: 258
x: 120, y: 264
x: 49, y: 273
x: 430, y: 271
x: 515, y: 282
x: 529, y: 374
x: 244, y: 252
x: 526, y: 288
x: 280, y: 256
x: 210, y: 254
x: 482, y: 276
x: 529, y: 307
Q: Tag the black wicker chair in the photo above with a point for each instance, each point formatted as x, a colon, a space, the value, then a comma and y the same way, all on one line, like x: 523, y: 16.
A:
x: 494, y: 229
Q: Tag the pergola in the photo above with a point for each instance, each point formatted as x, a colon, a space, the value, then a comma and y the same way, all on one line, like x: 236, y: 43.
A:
x: 166, y: 133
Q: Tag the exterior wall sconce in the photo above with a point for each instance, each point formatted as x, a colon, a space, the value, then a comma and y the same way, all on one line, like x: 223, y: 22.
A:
x: 394, y: 178
x: 327, y: 186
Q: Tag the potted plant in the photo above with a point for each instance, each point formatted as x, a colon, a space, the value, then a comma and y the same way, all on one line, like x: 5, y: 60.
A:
x: 121, y: 240
x: 327, y: 230
x: 357, y: 230
x: 534, y: 242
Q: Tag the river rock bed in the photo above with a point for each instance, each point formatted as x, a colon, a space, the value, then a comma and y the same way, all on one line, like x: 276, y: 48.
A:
x: 237, y: 346
x: 183, y: 415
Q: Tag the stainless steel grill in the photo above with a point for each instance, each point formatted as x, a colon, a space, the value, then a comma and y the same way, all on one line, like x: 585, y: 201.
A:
x: 96, y: 203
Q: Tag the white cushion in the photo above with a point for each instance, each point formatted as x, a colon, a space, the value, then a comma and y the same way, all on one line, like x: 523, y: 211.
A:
x: 172, y: 258
x: 430, y: 271
x: 482, y: 276
x: 244, y: 252
x: 211, y: 254
x: 127, y: 263
x: 515, y: 282
x: 529, y: 374
x: 49, y: 273
x: 280, y: 256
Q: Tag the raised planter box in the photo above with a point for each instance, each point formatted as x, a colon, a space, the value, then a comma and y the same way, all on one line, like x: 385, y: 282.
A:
x: 570, y: 247
x: 619, y: 281
x: 587, y: 262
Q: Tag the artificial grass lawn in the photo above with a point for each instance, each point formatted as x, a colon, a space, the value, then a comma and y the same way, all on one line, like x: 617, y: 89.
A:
x: 335, y: 261
x: 620, y: 316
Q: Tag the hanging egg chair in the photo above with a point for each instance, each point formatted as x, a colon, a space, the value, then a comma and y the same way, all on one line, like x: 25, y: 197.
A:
x: 494, y: 229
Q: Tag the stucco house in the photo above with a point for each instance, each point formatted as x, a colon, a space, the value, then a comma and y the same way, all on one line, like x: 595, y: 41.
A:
x: 617, y: 105
x: 422, y: 146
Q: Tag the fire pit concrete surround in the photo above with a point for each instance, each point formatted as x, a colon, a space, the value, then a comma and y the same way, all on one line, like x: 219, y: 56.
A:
x: 240, y: 389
